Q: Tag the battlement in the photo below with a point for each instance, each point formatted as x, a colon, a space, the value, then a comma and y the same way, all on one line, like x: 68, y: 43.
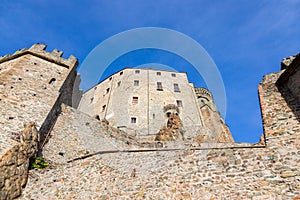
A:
x: 203, y: 92
x: 286, y: 62
x: 39, y: 50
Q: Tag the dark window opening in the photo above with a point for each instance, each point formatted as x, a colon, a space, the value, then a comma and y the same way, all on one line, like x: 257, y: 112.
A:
x: 51, y: 82
x: 137, y: 71
x: 119, y: 83
x: 158, y: 73
x: 107, y: 90
x: 168, y: 114
x: 133, y: 120
x: 97, y: 117
x: 92, y: 99
x: 121, y: 73
x: 135, y: 100
x: 179, y: 103
x: 103, y: 108
x: 136, y: 83
x: 173, y: 75
x: 110, y: 78
x: 153, y: 115
x: 176, y: 87
x: 159, y: 86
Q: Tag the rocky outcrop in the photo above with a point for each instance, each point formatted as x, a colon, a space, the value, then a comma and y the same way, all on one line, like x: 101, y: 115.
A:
x: 14, y: 163
x: 173, y: 131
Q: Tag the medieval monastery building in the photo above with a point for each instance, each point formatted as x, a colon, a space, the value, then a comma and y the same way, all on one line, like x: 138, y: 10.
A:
x: 140, y: 101
x: 139, y: 134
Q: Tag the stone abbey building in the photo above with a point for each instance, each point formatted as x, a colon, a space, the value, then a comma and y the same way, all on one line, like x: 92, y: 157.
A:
x: 140, y: 102
x: 139, y: 136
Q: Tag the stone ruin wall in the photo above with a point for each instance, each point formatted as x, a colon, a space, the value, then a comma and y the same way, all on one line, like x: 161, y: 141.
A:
x: 33, y: 85
x: 267, y: 170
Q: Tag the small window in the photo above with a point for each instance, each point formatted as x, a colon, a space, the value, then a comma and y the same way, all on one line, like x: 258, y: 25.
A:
x: 107, y: 90
x: 136, y: 83
x: 135, y: 100
x: 168, y: 114
x: 176, y: 87
x: 158, y: 73
x: 179, y: 103
x: 133, y: 120
x: 119, y: 84
x: 103, y: 108
x: 137, y: 71
x: 110, y: 78
x: 92, y: 99
x: 95, y: 88
x: 51, y: 82
x: 121, y: 73
x: 173, y: 75
x: 159, y: 86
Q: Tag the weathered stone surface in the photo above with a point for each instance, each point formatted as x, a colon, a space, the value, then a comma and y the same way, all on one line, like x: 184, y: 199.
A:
x: 232, y: 172
x: 173, y: 131
x: 33, y: 84
x: 14, y: 164
x: 267, y: 170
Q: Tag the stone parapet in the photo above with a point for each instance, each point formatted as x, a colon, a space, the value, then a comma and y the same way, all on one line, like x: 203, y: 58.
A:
x: 39, y: 50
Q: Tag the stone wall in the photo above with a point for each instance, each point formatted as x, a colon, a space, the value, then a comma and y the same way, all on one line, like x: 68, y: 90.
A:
x: 219, y: 131
x: 268, y: 170
x: 290, y: 77
x: 33, y: 84
x: 15, y: 162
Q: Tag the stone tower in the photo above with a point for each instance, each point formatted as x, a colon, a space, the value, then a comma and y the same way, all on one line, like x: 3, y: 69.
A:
x: 219, y: 131
x: 34, y: 83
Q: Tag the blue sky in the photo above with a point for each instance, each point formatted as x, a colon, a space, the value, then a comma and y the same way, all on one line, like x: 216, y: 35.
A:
x: 246, y: 39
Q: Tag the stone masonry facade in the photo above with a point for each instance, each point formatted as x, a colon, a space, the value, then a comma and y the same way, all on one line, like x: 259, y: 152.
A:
x: 135, y: 100
x: 34, y: 83
x: 90, y: 159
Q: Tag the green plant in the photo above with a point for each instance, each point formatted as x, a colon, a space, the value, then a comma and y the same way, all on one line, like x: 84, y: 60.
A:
x: 37, y: 163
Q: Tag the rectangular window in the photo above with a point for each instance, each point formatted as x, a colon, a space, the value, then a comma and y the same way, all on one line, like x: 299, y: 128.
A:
x: 136, y: 83
x: 158, y: 73
x: 103, y: 108
x: 135, y: 100
x: 176, y: 87
x: 133, y: 120
x: 137, y: 71
x: 179, y: 103
x: 173, y: 75
x: 159, y: 86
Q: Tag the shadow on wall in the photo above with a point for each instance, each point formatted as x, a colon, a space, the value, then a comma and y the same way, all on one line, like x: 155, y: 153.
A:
x: 288, y: 84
